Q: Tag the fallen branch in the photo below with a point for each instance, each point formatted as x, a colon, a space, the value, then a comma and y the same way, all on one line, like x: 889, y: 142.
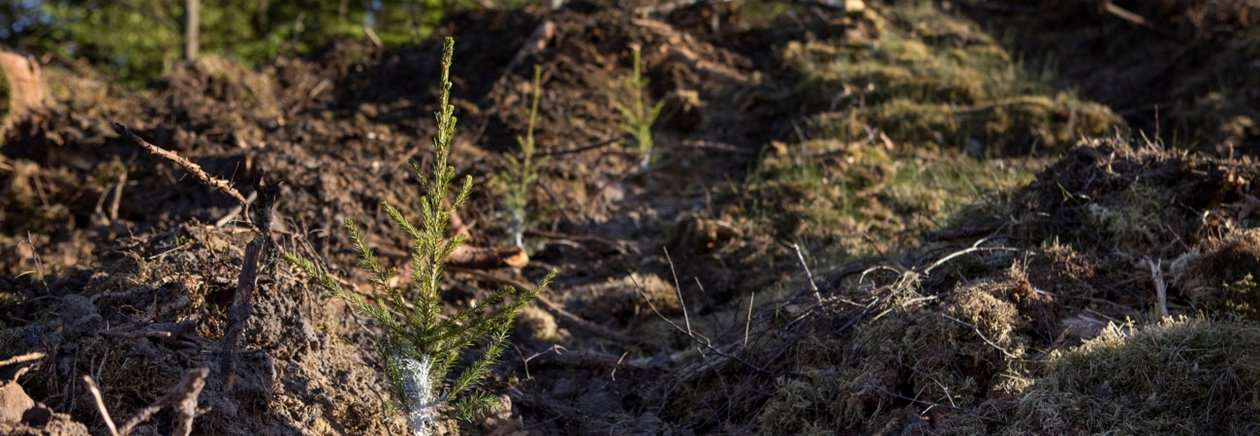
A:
x: 23, y: 358
x: 974, y: 248
x: 982, y: 336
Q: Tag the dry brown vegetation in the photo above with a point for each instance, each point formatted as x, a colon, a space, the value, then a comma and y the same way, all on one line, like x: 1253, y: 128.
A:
x: 994, y: 225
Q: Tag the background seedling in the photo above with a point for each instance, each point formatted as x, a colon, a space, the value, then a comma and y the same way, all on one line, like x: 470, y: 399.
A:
x: 637, y: 116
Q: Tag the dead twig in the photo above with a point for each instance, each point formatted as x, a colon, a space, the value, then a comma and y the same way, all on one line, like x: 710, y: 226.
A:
x: 1126, y: 15
x: 584, y: 148
x: 698, y: 339
x: 236, y: 211
x: 678, y: 288
x: 748, y: 319
x: 974, y: 248
x: 537, y: 42
x: 213, y: 182
x: 467, y: 256
x: 22, y: 358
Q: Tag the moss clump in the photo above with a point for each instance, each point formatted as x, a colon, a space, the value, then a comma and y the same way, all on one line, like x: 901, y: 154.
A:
x: 1179, y: 376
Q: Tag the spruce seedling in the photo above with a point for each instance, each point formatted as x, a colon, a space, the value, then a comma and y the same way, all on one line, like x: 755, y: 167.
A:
x: 637, y: 117
x: 419, y: 344
x: 521, y: 172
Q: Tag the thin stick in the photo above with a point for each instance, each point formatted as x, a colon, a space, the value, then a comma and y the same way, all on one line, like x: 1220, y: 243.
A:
x: 812, y: 285
x: 613, y: 374
x: 678, y: 288
x: 974, y: 248
x: 189, y: 166
x: 100, y: 404
x: 235, y: 212
x: 595, y: 146
x: 748, y: 320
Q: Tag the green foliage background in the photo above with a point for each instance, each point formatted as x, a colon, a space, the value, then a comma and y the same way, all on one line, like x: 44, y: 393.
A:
x: 138, y: 39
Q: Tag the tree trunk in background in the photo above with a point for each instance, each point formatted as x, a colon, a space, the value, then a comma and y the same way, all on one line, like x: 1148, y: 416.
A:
x: 192, y: 28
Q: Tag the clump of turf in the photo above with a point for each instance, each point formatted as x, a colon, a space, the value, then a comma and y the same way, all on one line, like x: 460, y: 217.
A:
x: 1178, y: 376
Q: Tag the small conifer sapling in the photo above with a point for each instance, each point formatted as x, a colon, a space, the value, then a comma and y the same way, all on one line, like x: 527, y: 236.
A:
x: 521, y: 172
x: 419, y: 344
x: 637, y: 116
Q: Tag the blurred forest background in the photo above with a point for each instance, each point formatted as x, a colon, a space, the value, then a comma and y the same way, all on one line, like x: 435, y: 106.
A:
x: 137, y: 39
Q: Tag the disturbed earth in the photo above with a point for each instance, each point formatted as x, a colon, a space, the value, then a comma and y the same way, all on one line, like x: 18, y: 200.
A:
x: 988, y: 217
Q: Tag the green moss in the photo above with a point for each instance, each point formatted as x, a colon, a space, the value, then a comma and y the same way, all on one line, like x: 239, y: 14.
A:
x: 828, y: 190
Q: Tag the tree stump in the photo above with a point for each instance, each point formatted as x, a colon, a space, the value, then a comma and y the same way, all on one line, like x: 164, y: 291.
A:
x: 21, y: 88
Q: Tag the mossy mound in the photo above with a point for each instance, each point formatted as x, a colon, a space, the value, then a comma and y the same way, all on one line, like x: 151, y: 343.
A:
x: 1179, y: 376
x: 925, y: 76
